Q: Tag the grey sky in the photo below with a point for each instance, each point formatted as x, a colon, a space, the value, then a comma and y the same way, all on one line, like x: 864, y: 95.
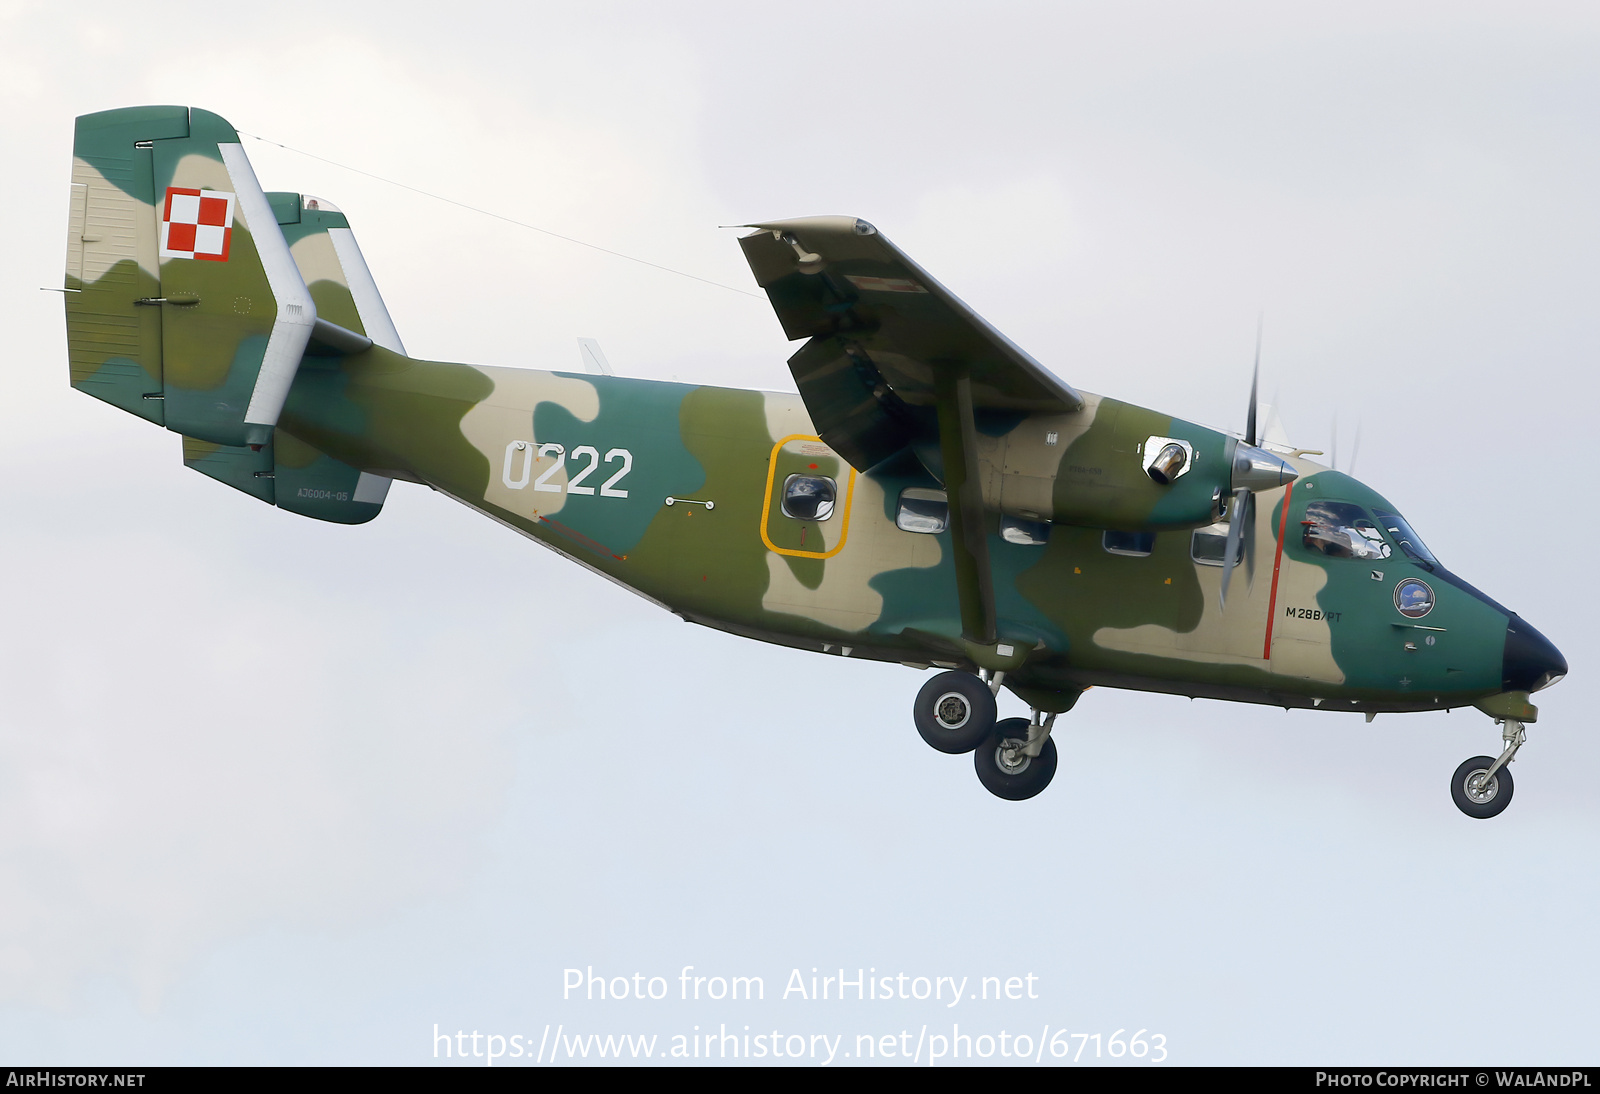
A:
x: 279, y: 791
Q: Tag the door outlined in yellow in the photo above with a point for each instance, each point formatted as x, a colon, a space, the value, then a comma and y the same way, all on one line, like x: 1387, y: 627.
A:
x: 810, y: 454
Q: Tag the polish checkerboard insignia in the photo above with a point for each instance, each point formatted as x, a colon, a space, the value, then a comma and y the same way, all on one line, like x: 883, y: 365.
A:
x: 196, y: 224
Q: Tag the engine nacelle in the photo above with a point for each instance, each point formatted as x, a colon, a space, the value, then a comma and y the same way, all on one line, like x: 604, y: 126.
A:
x: 1119, y: 466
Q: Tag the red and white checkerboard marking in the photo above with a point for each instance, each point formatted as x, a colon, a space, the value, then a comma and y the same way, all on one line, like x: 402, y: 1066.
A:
x: 196, y: 224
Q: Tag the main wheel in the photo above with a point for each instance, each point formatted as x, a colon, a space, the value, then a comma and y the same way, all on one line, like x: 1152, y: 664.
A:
x: 1005, y: 771
x: 954, y: 712
x: 1477, y: 798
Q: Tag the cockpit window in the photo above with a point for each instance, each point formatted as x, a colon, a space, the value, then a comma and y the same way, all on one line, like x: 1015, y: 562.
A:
x: 809, y: 497
x: 1341, y: 530
x: 1401, y: 533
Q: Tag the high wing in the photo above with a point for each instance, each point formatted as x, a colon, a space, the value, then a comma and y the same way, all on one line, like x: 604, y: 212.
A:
x: 883, y: 334
x: 894, y: 359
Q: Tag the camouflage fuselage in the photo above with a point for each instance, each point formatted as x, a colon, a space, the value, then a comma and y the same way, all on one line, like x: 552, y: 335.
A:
x: 199, y: 302
x: 1300, y: 629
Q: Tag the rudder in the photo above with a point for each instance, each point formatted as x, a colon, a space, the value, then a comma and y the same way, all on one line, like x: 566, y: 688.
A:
x: 181, y: 287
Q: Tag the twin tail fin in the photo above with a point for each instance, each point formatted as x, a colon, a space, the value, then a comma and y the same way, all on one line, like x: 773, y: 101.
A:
x: 194, y: 298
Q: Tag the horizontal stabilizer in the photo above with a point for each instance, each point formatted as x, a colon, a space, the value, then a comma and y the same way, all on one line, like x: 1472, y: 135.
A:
x: 336, y: 339
x: 592, y: 358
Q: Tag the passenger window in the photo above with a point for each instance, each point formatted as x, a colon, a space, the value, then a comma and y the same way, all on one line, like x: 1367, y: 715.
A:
x: 809, y: 497
x: 1341, y: 530
x: 922, y: 510
x: 1029, y: 533
x: 1209, y: 545
x: 1138, y: 544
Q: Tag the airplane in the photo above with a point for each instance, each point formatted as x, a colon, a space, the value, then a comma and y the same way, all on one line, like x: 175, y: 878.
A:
x: 933, y: 496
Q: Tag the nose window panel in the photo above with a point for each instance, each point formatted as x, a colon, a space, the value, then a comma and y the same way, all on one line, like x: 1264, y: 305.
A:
x: 809, y: 497
x: 1341, y: 530
x: 1401, y: 533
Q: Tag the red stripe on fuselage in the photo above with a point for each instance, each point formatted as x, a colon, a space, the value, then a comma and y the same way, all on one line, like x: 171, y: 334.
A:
x: 1277, y: 563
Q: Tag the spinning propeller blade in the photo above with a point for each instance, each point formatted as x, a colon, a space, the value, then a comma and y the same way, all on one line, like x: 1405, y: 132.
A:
x: 1242, y: 511
x: 1238, y: 515
x: 1255, y: 381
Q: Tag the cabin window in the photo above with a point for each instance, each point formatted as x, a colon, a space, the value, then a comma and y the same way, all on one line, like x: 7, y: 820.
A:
x: 1209, y: 545
x: 1341, y: 530
x: 1138, y: 544
x: 1401, y: 533
x: 809, y: 497
x: 1029, y: 533
x: 922, y: 510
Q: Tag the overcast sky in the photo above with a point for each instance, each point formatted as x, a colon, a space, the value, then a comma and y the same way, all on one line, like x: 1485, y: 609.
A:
x: 273, y: 790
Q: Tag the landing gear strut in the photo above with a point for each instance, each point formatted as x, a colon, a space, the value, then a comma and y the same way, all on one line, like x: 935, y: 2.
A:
x: 1482, y: 787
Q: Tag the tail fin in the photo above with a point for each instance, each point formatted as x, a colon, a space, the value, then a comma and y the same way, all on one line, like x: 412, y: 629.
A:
x: 188, y: 301
x: 288, y: 472
x: 333, y: 269
x: 170, y: 206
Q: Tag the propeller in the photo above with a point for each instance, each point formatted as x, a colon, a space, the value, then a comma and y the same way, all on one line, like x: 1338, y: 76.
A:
x: 1241, y: 511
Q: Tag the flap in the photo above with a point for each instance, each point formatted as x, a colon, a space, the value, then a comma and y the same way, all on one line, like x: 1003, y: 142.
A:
x: 880, y: 327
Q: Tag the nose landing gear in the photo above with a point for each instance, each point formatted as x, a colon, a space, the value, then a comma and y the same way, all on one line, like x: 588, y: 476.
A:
x: 1482, y: 787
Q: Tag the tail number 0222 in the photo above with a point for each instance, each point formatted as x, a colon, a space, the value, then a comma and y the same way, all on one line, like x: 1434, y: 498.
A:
x: 518, y: 468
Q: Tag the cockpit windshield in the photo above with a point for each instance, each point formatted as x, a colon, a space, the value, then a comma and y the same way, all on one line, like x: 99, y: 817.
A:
x: 1401, y: 533
x: 1341, y: 530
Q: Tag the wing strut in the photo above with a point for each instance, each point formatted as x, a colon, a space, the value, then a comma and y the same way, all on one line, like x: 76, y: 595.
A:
x: 958, y: 451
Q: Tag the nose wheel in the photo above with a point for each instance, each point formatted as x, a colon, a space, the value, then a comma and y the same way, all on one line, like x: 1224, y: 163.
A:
x: 1481, y: 786
x: 1476, y: 792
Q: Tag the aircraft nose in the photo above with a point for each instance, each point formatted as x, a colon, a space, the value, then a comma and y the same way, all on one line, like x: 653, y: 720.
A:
x: 1531, y: 660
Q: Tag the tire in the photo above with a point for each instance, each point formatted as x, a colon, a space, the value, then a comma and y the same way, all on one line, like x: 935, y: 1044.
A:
x: 954, y: 712
x: 1022, y: 781
x: 1485, y: 804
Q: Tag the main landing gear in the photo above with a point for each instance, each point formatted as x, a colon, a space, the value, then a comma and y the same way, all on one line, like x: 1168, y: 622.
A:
x: 1481, y: 787
x: 954, y: 712
x: 1019, y: 758
x: 1015, y: 758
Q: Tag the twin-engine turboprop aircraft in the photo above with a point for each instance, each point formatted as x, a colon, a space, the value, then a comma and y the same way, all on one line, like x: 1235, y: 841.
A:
x: 933, y: 496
